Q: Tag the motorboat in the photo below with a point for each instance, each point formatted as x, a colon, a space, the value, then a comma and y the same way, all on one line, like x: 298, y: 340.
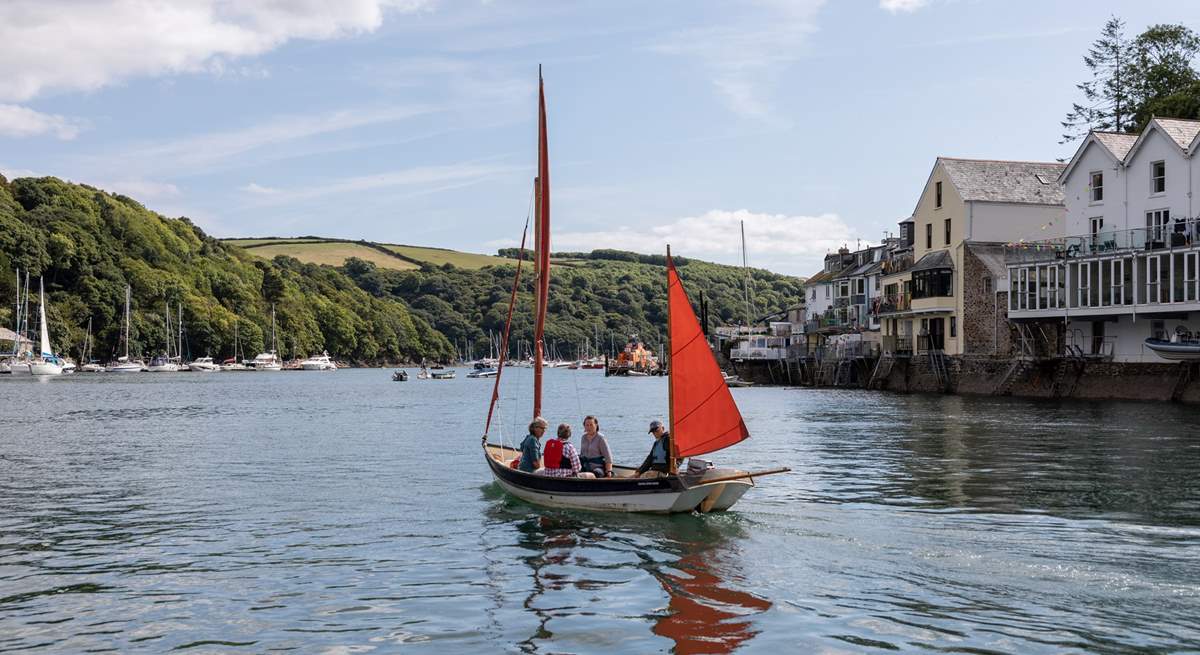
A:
x: 736, y: 382
x: 1181, y: 348
x: 482, y: 373
x: 320, y: 362
x: 233, y: 365
x: 703, y: 417
x: 92, y: 367
x: 400, y: 376
x: 204, y: 365
x: 162, y: 364
x: 446, y: 374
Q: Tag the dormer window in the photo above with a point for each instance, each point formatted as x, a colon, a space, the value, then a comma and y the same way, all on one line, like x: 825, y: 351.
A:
x: 1158, y: 177
x: 1097, y: 192
x: 937, y: 195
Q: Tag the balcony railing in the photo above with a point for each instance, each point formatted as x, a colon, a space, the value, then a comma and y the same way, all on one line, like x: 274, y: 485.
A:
x: 1173, y: 235
x: 892, y: 303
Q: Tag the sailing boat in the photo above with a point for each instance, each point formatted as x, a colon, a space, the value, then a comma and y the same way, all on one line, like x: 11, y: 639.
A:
x: 123, y: 363
x: 269, y: 361
x: 47, y: 363
x: 703, y: 416
x: 18, y: 363
x: 89, y: 365
x: 233, y: 363
x: 165, y: 363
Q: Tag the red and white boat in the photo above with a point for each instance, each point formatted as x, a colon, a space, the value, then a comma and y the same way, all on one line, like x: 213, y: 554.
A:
x: 703, y: 417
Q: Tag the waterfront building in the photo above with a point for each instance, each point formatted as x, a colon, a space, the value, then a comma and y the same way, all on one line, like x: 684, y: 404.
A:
x: 952, y: 298
x: 1125, y: 264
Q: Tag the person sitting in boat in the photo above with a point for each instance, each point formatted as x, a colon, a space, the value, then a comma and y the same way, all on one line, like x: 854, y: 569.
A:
x: 594, y: 454
x: 531, y: 446
x: 561, y: 457
x: 658, y: 462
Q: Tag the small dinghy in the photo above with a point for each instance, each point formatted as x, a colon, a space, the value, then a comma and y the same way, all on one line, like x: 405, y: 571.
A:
x: 400, y: 376
x: 1183, y: 347
x: 703, y: 416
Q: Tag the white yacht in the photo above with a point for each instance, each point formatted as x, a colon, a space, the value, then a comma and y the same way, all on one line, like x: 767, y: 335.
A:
x: 269, y: 361
x: 48, y: 363
x: 123, y: 363
x: 319, y: 363
x: 162, y: 365
x: 204, y: 365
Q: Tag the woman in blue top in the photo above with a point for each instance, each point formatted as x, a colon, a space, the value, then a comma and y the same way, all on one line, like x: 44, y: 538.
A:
x: 531, y: 446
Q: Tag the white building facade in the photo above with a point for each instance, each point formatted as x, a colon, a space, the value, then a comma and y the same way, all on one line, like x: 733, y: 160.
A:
x: 1125, y: 265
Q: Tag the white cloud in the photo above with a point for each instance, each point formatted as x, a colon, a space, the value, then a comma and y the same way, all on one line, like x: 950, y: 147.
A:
x: 745, y: 56
x: 418, y: 180
x: 12, y: 173
x: 204, y: 152
x: 254, y: 187
x: 906, y: 6
x: 18, y: 121
x: 73, y: 45
x: 787, y: 244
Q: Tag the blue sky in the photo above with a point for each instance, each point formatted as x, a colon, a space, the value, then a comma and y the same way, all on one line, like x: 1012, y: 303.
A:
x: 413, y: 121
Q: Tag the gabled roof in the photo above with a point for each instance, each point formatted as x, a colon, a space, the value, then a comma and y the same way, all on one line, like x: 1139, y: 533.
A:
x: 1181, y: 132
x: 1115, y: 144
x: 1028, y: 182
x: 932, y: 260
x: 820, y: 278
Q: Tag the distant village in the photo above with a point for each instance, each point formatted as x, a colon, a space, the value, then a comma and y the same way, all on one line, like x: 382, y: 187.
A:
x: 1013, y: 277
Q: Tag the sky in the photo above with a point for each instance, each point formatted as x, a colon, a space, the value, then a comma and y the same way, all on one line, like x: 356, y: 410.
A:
x: 816, y: 123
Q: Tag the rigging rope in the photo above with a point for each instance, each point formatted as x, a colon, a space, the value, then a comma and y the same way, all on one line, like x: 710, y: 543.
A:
x: 512, y: 302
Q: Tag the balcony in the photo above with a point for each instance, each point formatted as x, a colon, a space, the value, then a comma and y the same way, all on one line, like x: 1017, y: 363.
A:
x: 1176, y: 235
x: 839, y: 303
x: 858, y: 299
x: 892, y: 303
x: 898, y: 264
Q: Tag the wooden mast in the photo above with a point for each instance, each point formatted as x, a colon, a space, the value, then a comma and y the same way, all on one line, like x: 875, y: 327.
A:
x: 542, y: 248
x: 672, y: 460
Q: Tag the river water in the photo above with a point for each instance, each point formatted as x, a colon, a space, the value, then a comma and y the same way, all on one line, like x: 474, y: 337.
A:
x: 345, y: 513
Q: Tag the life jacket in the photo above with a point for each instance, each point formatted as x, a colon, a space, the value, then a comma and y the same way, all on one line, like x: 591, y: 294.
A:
x: 553, y: 457
x: 659, y: 451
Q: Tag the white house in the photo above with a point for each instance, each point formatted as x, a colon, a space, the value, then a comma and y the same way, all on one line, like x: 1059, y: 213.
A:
x: 1125, y: 266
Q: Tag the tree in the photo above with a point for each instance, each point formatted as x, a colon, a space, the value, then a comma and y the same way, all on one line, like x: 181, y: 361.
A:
x: 1107, y: 95
x: 1161, y: 69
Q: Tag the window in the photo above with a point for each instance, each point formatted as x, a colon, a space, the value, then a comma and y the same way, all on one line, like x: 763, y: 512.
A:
x: 987, y: 285
x: 1156, y: 226
x: 1097, y: 187
x: 827, y: 292
x: 937, y: 195
x: 928, y: 235
x: 935, y: 283
x: 953, y: 326
x: 814, y: 293
x: 1158, y: 177
x: 947, y: 231
x: 1097, y: 225
x: 877, y: 283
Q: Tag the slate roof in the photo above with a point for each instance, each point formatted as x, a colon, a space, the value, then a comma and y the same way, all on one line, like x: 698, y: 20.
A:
x: 1118, y: 143
x: 820, y: 278
x: 1181, y: 131
x: 992, y: 256
x: 1028, y: 182
x: 932, y: 260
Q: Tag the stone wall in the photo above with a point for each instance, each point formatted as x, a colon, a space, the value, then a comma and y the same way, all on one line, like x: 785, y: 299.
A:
x: 985, y: 328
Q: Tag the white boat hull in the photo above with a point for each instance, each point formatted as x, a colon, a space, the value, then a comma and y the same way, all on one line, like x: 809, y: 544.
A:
x: 659, y: 503
x: 18, y: 368
x: 163, y: 368
x: 124, y: 368
x: 1176, y: 352
x: 45, y: 368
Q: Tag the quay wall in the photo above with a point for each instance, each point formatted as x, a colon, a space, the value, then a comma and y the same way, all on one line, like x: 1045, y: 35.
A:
x: 995, y: 375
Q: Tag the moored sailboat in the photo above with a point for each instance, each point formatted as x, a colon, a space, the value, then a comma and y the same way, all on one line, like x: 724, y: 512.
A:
x: 123, y: 363
x: 703, y: 416
x: 48, y: 363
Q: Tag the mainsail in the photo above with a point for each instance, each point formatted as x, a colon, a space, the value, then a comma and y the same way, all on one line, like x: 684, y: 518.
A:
x: 704, y: 417
x: 46, y: 351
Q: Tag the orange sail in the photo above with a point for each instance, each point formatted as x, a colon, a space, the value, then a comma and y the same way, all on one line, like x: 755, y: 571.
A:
x: 704, y: 417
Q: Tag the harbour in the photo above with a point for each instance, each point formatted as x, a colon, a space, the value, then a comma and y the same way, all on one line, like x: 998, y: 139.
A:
x: 247, y: 513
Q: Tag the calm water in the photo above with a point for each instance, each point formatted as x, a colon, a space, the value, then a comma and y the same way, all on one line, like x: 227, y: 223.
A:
x: 345, y: 513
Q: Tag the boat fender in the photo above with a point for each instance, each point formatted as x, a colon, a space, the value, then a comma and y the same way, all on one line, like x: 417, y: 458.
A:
x: 516, y: 463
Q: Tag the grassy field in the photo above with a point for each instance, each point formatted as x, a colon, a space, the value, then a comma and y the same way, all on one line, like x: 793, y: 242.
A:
x: 439, y: 256
x: 250, y: 243
x: 331, y: 253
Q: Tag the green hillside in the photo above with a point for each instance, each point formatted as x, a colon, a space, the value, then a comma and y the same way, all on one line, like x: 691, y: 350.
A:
x: 335, y: 252
x: 89, y: 244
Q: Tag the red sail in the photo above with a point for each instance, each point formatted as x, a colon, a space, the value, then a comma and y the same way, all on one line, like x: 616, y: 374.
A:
x: 542, y: 247
x: 704, y: 417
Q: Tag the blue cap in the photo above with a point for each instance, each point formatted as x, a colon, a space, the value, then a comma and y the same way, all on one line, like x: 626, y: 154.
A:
x: 654, y: 425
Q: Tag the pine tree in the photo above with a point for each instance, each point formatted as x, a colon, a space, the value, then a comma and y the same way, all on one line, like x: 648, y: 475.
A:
x: 1107, y: 95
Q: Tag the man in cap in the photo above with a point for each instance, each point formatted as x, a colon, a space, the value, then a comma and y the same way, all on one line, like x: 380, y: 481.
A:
x: 658, y: 462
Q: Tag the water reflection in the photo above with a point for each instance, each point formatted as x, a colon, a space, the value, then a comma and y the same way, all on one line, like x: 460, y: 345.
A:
x: 578, y: 561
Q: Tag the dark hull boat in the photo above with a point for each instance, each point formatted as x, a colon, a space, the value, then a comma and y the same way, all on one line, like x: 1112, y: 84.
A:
x: 1180, y: 351
x: 703, y: 416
